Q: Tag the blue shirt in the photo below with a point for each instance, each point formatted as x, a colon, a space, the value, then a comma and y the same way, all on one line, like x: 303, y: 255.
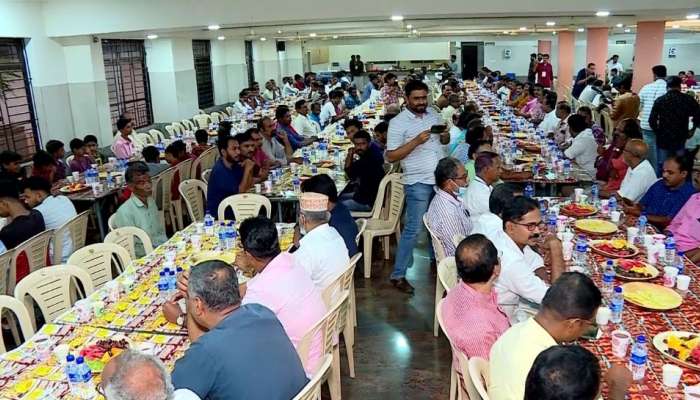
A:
x: 351, y: 102
x: 246, y: 356
x: 367, y: 91
x: 663, y: 201
x: 342, y: 221
x: 223, y: 182
x: 295, y: 140
x: 315, y: 118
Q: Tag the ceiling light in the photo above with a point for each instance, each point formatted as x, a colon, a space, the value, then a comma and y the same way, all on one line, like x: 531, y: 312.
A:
x: 221, y: 37
x: 505, y: 32
x: 675, y: 26
x: 152, y: 37
x: 279, y: 32
x: 619, y: 25
x: 602, y: 14
x: 692, y: 16
x: 262, y: 39
x: 550, y: 23
x: 554, y: 32
x: 335, y: 36
x: 580, y: 30
x: 415, y: 31
x: 523, y: 28
x: 213, y: 27
x: 397, y: 17
x: 409, y: 26
x: 628, y: 30
x: 312, y: 34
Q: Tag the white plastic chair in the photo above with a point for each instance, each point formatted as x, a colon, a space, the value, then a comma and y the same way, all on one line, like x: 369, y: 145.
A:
x: 171, y: 130
x: 36, y: 249
x: 439, y: 256
x: 361, y: 226
x: 126, y: 238
x: 479, y: 374
x: 183, y: 169
x: 244, y: 206
x: 178, y: 128
x: 447, y: 273
x: 9, y: 304
x: 157, y: 135
x: 312, y: 390
x: 215, y: 117
x: 384, y: 225
x: 97, y: 259
x: 162, y: 188
x: 111, y: 222
x: 76, y: 230
x: 143, y: 139
x: 202, y: 121
x: 229, y: 110
x: 5, y: 268
x: 187, y: 125
x: 378, y: 201
x: 50, y: 288
x: 205, y: 175
x: 194, y: 193
x: 607, y: 123
x: 455, y: 387
x: 69, y: 159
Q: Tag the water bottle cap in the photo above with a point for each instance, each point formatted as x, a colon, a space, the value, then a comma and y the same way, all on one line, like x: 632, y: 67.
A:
x: 161, y: 273
x: 641, y: 339
x: 79, y: 360
x: 172, y: 273
x: 610, y: 262
x: 70, y: 358
x: 618, y: 289
x: 680, y: 253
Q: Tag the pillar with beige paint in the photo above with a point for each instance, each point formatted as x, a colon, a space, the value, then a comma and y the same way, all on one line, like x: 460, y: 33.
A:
x: 648, y: 50
x: 565, y: 70
x: 544, y: 47
x: 597, y: 49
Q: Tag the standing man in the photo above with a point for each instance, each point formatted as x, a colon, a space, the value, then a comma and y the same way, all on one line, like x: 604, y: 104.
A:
x: 410, y: 141
x: 647, y: 96
x: 351, y: 65
x: 545, y: 73
x: 454, y: 65
x: 669, y: 119
x: 614, y: 63
x: 581, y: 78
x: 532, y: 69
x: 626, y: 104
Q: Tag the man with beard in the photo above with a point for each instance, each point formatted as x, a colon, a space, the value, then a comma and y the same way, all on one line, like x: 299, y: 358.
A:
x: 248, y: 150
x: 686, y: 225
x: 523, y: 277
x: 364, y: 165
x: 230, y: 175
x: 275, y: 145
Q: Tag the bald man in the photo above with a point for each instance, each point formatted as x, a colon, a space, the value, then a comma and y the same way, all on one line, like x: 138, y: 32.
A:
x: 135, y: 375
x: 640, y: 173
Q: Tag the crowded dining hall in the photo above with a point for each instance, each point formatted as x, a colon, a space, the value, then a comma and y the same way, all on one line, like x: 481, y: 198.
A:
x: 223, y: 201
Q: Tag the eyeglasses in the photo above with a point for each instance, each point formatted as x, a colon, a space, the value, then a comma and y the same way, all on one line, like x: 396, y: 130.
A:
x: 460, y: 178
x: 530, y: 226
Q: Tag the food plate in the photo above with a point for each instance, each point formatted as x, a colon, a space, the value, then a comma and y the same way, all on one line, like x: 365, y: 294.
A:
x: 616, y: 248
x: 595, y: 226
x: 341, y: 141
x: 681, y: 347
x: 578, y: 210
x: 74, y: 188
x: 98, y: 354
x: 228, y: 257
x: 526, y: 159
x: 651, y: 296
x: 634, y: 270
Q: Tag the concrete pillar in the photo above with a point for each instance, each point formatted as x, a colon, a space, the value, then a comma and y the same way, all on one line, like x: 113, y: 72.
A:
x: 597, y: 49
x: 228, y: 69
x: 172, y: 79
x: 291, y: 60
x: 266, y: 62
x: 544, y: 47
x: 565, y: 70
x: 648, y: 49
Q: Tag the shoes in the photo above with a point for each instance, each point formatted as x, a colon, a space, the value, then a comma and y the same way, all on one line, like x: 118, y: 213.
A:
x: 402, y: 285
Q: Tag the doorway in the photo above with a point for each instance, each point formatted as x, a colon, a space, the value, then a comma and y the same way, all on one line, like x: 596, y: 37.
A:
x: 249, y: 61
x: 472, y: 57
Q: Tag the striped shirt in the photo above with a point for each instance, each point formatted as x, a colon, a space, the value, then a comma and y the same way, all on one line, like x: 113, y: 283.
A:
x: 447, y: 218
x: 647, y: 96
x: 419, y: 165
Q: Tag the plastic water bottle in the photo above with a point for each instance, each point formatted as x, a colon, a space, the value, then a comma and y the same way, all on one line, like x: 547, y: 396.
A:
x: 617, y: 303
x: 580, y: 251
x: 680, y: 262
x: 552, y: 222
x: 84, y: 379
x: 642, y: 223
x: 296, y: 183
x: 670, y: 253
x: 222, y: 237
x: 208, y: 224
x: 529, y: 191
x: 638, y: 358
x: 612, y: 206
x: 71, y: 374
x: 608, y: 278
x: 595, y: 193
x: 230, y: 236
x: 163, y: 285
x: 172, y: 281
x: 567, y: 168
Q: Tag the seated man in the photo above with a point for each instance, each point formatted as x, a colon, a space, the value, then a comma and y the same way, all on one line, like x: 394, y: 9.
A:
x: 247, y: 151
x: 352, y: 99
x: 364, y: 167
x: 330, y: 111
x: 550, y: 121
x: 470, y: 313
x: 275, y: 145
x: 202, y: 137
x: 522, y: 273
x: 229, y: 176
x: 302, y: 123
x: 81, y: 161
x: 10, y: 168
x: 140, y: 210
x: 321, y: 250
x: 379, y: 141
x: 488, y: 171
x: 446, y: 215
x: 57, y: 151
x: 341, y: 219
x: 259, y: 156
x: 351, y: 126
x: 22, y: 225
x: 573, y: 373
x: 151, y: 156
x: 583, y: 148
x: 685, y: 226
x: 56, y: 210
x: 640, y: 173
x: 44, y: 166
x: 92, y: 150
x: 490, y: 224
x: 238, y: 351
x: 284, y: 126
x: 666, y: 197
x: 568, y: 310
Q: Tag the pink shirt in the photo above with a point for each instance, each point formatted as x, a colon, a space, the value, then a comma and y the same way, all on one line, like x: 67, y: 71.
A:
x: 122, y: 148
x: 686, y: 225
x: 289, y: 292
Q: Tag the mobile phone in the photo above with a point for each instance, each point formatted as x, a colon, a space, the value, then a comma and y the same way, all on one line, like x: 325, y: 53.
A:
x: 438, y: 128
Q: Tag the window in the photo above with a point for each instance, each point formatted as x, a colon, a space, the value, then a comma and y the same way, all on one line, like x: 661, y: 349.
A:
x: 127, y: 81
x: 18, y: 130
x: 201, y: 50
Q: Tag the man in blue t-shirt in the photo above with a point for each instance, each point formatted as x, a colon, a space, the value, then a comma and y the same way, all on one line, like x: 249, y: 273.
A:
x: 230, y: 175
x: 237, y: 351
x: 666, y: 197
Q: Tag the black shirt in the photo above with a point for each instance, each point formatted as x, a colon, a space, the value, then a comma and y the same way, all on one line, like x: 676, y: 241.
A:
x: 578, y: 88
x: 342, y: 221
x: 21, y: 229
x: 669, y: 119
x: 368, y: 172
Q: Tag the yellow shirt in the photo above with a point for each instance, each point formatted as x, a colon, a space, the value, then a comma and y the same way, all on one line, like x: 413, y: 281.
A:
x: 512, y: 356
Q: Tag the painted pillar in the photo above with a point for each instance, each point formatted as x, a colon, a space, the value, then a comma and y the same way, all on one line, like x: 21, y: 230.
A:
x: 172, y: 79
x: 228, y: 70
x: 565, y: 70
x: 544, y: 47
x: 648, y: 50
x: 266, y: 62
x: 597, y: 49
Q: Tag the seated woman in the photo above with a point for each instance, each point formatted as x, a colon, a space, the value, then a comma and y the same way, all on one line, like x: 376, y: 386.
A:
x: 610, y: 165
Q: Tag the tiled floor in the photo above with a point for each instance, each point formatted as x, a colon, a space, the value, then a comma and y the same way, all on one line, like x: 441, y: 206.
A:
x: 396, y: 354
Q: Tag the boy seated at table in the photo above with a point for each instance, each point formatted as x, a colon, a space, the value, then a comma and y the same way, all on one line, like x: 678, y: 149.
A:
x: 151, y: 156
x: 10, y: 165
x: 81, y: 161
x: 92, y: 150
x: 202, y: 137
x: 43, y: 165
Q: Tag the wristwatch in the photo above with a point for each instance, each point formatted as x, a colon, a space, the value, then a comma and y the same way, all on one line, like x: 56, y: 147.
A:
x: 181, y: 319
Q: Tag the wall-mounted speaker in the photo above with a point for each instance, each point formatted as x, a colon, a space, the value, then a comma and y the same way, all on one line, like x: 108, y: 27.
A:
x: 281, y: 46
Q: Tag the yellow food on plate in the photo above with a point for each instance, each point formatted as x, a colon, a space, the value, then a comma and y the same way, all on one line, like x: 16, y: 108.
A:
x: 619, y: 243
x: 36, y: 394
x: 597, y: 226
x: 42, y: 370
x: 23, y: 386
x: 652, y: 296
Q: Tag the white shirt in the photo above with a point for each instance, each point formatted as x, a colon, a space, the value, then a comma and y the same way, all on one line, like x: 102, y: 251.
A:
x: 647, y: 96
x: 637, y: 181
x: 584, y: 151
x: 242, y: 108
x: 327, y: 111
x: 617, y: 65
x: 550, y: 122
x: 322, y: 252
x: 447, y: 114
x: 476, y: 199
x: 289, y: 90
x: 503, y: 93
x: 304, y: 126
x: 517, y: 279
x: 587, y: 95
x: 488, y: 224
x: 330, y: 88
x: 185, y: 394
x: 57, y: 210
